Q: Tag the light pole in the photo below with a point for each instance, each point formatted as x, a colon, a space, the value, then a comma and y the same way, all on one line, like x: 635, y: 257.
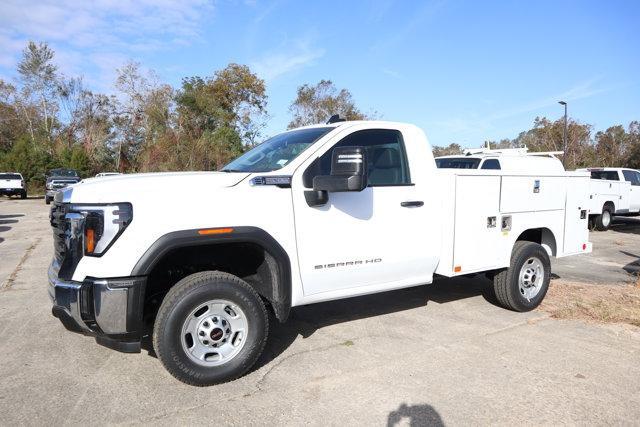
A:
x: 564, y: 134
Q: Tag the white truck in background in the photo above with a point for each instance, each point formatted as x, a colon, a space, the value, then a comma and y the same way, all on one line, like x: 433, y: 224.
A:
x: 313, y: 214
x: 12, y: 184
x: 506, y: 159
x: 612, y: 191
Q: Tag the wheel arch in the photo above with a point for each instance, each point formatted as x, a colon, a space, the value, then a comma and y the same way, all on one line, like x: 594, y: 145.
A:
x: 275, y: 267
x: 609, y: 204
x: 542, y: 236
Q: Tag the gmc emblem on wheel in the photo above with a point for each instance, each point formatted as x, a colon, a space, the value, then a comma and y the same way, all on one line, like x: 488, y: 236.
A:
x: 348, y: 263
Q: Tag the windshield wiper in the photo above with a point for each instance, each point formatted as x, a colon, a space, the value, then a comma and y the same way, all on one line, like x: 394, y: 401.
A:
x: 230, y: 170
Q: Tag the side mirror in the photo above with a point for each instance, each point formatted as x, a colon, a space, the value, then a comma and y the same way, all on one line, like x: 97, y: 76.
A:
x: 348, y: 171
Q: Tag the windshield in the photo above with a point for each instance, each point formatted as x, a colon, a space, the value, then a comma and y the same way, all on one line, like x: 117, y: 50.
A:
x: 277, y: 152
x: 10, y: 176
x: 458, y: 163
x: 63, y: 172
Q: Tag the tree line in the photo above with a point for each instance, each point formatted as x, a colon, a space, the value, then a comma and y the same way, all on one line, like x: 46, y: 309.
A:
x: 614, y: 147
x: 50, y: 120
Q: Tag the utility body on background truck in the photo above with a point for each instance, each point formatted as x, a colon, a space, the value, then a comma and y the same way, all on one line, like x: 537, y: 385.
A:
x: 612, y: 191
x: 313, y: 214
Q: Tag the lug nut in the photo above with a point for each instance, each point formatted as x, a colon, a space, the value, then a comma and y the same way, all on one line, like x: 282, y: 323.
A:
x: 205, y: 324
x: 201, y: 333
x: 215, y: 320
x: 205, y: 342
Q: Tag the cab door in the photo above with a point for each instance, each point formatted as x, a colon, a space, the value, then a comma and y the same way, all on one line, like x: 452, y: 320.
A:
x: 375, y: 238
x: 634, y: 190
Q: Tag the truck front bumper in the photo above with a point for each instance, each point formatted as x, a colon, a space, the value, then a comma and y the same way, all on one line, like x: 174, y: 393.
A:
x: 108, y: 309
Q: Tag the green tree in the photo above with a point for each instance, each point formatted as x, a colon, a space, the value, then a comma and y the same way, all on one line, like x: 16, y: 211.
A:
x: 451, y: 149
x: 547, y: 135
x: 30, y: 159
x: 316, y: 104
x: 612, y: 146
x: 39, y: 79
x: 633, y: 152
x: 233, y: 97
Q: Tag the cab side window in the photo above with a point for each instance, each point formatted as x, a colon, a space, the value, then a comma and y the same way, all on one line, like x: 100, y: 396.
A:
x: 387, y: 160
x: 608, y: 175
x: 632, y: 176
x: 491, y: 164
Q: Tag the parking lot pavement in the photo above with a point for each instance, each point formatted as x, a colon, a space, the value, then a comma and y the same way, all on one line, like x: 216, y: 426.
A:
x: 433, y: 354
x: 615, y: 257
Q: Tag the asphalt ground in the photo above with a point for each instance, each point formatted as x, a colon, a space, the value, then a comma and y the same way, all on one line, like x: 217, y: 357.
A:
x: 441, y: 353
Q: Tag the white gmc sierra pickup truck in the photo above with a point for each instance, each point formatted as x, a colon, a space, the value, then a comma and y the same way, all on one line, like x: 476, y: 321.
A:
x: 313, y: 214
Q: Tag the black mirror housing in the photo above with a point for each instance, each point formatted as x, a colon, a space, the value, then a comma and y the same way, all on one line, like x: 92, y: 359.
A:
x: 348, y: 171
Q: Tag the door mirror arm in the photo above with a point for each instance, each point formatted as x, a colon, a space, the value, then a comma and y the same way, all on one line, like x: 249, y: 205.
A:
x: 316, y: 197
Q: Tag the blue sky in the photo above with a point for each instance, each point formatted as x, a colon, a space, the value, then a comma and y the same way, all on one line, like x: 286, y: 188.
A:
x: 464, y: 71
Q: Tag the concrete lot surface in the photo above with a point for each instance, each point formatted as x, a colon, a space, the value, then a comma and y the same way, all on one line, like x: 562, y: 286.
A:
x: 428, y: 355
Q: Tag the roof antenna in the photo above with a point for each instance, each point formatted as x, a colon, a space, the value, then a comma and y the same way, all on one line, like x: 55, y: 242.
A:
x: 335, y: 119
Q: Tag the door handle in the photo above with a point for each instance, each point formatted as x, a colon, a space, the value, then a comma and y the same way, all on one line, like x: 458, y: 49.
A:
x: 415, y: 204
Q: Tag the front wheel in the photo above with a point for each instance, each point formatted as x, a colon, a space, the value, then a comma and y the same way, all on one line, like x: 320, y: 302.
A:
x: 47, y: 200
x: 523, y: 285
x: 211, y: 328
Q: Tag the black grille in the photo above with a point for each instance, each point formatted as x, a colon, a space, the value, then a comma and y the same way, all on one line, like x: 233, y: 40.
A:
x: 56, y: 218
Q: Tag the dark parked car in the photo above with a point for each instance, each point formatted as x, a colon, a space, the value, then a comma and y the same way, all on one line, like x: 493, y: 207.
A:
x: 58, y: 179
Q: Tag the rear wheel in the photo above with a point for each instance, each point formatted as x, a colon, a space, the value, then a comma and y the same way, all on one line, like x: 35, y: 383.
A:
x: 603, y: 221
x: 23, y: 194
x: 523, y: 285
x: 210, y: 328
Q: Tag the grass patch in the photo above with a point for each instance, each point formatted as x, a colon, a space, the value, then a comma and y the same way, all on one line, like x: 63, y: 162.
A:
x: 596, y: 303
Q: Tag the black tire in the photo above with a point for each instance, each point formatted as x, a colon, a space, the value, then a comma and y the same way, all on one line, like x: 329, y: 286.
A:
x: 23, y: 194
x: 603, y: 221
x: 179, y: 303
x: 47, y: 200
x: 506, y: 282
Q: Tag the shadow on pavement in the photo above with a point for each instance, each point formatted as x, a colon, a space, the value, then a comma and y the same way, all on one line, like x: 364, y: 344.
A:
x: 415, y: 415
x: 632, y: 267
x: 11, y: 216
x: 629, y: 225
x: 306, y: 320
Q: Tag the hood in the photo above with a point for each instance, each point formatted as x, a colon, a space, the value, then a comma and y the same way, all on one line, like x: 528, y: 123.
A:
x: 172, y: 186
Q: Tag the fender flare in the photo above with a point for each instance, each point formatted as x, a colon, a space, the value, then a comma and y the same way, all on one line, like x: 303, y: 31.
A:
x: 281, y: 290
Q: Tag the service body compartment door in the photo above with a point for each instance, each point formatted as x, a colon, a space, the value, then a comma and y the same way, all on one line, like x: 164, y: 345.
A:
x: 531, y: 194
x: 576, y: 230
x: 477, y: 242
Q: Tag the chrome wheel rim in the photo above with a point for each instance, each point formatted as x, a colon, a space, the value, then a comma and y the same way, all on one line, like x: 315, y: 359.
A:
x: 214, y: 332
x: 531, y: 278
x: 606, y: 218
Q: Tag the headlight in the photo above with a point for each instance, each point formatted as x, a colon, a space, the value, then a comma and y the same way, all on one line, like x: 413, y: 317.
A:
x: 103, y: 225
x: 49, y: 186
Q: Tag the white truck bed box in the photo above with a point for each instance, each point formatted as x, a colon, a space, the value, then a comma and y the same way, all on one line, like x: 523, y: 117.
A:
x: 602, y: 191
x: 491, y: 209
